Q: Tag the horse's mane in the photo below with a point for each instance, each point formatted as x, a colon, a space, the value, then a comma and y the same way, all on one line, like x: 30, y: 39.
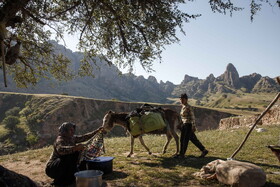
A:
x: 120, y: 115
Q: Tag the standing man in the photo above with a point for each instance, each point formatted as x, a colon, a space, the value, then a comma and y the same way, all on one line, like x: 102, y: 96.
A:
x: 188, y: 129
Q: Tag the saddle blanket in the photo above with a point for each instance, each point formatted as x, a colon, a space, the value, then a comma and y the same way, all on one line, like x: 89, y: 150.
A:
x: 148, y: 122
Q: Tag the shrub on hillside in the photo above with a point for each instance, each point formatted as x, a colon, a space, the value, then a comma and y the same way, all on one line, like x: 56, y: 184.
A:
x: 26, y: 111
x: 31, y: 139
x: 11, y: 122
x: 33, y: 120
x: 13, y: 112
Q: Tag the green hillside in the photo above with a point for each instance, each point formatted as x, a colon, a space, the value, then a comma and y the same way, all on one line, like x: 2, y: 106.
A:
x: 239, y: 103
x: 162, y: 170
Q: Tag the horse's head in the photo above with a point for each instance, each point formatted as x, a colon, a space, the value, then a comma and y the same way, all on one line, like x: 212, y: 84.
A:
x: 108, y: 122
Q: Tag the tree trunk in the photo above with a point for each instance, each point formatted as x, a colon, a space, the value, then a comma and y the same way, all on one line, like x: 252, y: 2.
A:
x: 10, y: 9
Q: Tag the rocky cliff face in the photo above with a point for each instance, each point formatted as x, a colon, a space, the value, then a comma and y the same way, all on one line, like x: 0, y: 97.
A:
x: 272, y: 117
x: 108, y: 83
x: 41, y: 115
x: 265, y: 84
x: 228, y: 82
x: 249, y: 81
x: 230, y: 77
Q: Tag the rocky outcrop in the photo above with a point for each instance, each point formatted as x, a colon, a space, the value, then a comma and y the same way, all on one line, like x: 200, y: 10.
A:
x: 272, y: 117
x: 266, y: 84
x: 230, y: 77
x: 249, y: 81
x: 228, y: 82
x: 108, y: 83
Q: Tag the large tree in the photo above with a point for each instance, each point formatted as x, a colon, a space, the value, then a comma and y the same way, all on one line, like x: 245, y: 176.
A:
x: 116, y: 31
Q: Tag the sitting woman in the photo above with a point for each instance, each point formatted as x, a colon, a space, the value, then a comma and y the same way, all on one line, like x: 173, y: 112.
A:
x: 64, y: 159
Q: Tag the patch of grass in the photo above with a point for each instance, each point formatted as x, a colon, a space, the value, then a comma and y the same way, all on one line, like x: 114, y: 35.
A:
x: 163, y: 170
x: 239, y: 103
x: 3, y: 132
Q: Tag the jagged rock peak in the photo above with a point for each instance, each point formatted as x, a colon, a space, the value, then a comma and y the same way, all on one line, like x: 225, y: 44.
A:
x: 230, y: 67
x: 266, y: 84
x: 165, y: 83
x: 189, y: 79
x: 249, y: 81
x: 152, y: 79
x: 210, y: 78
x: 231, y: 76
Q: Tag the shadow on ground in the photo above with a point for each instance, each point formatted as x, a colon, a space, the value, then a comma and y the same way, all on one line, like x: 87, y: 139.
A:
x: 115, y: 175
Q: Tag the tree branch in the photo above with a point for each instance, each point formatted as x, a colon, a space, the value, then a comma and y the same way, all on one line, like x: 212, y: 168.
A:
x: 33, y: 17
x: 66, y: 10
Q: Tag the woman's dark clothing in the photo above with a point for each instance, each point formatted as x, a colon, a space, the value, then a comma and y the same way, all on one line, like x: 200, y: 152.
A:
x: 64, y: 159
x: 63, y: 168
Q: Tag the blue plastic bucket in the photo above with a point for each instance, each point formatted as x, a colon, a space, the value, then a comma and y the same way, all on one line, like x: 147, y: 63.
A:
x: 104, y: 164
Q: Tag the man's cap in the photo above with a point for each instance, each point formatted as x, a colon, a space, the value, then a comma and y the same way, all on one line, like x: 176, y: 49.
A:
x: 184, y: 95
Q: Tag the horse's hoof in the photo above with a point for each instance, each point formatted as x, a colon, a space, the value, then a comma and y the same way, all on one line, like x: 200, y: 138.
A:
x: 128, y: 156
x: 150, y: 153
x: 163, y: 152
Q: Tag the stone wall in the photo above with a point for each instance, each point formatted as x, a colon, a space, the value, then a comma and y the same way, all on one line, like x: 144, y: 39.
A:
x: 272, y: 117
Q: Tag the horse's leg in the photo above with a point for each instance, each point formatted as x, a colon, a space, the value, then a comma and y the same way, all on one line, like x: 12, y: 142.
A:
x: 144, y: 145
x: 168, y: 138
x: 176, y: 137
x: 131, y: 146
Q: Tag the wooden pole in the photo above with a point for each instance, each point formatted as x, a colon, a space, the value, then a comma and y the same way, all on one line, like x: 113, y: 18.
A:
x: 257, y: 121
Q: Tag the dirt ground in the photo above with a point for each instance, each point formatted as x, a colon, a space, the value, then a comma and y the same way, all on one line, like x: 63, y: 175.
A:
x: 33, y: 169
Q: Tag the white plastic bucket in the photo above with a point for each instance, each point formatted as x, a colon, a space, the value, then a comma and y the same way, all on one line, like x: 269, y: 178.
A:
x: 89, y: 178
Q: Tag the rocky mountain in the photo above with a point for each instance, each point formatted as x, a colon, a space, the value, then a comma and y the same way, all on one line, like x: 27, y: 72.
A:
x: 110, y: 83
x: 228, y: 82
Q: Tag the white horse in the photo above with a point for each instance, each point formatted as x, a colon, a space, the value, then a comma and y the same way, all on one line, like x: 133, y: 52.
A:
x: 172, y: 118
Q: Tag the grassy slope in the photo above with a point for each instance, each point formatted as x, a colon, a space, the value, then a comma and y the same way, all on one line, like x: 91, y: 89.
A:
x: 238, y: 103
x: 162, y: 170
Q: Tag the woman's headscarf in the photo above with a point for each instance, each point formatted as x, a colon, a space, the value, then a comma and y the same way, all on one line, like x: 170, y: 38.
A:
x: 65, y: 127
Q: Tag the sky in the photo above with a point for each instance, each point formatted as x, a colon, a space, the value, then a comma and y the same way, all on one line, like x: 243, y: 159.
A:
x: 214, y: 40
